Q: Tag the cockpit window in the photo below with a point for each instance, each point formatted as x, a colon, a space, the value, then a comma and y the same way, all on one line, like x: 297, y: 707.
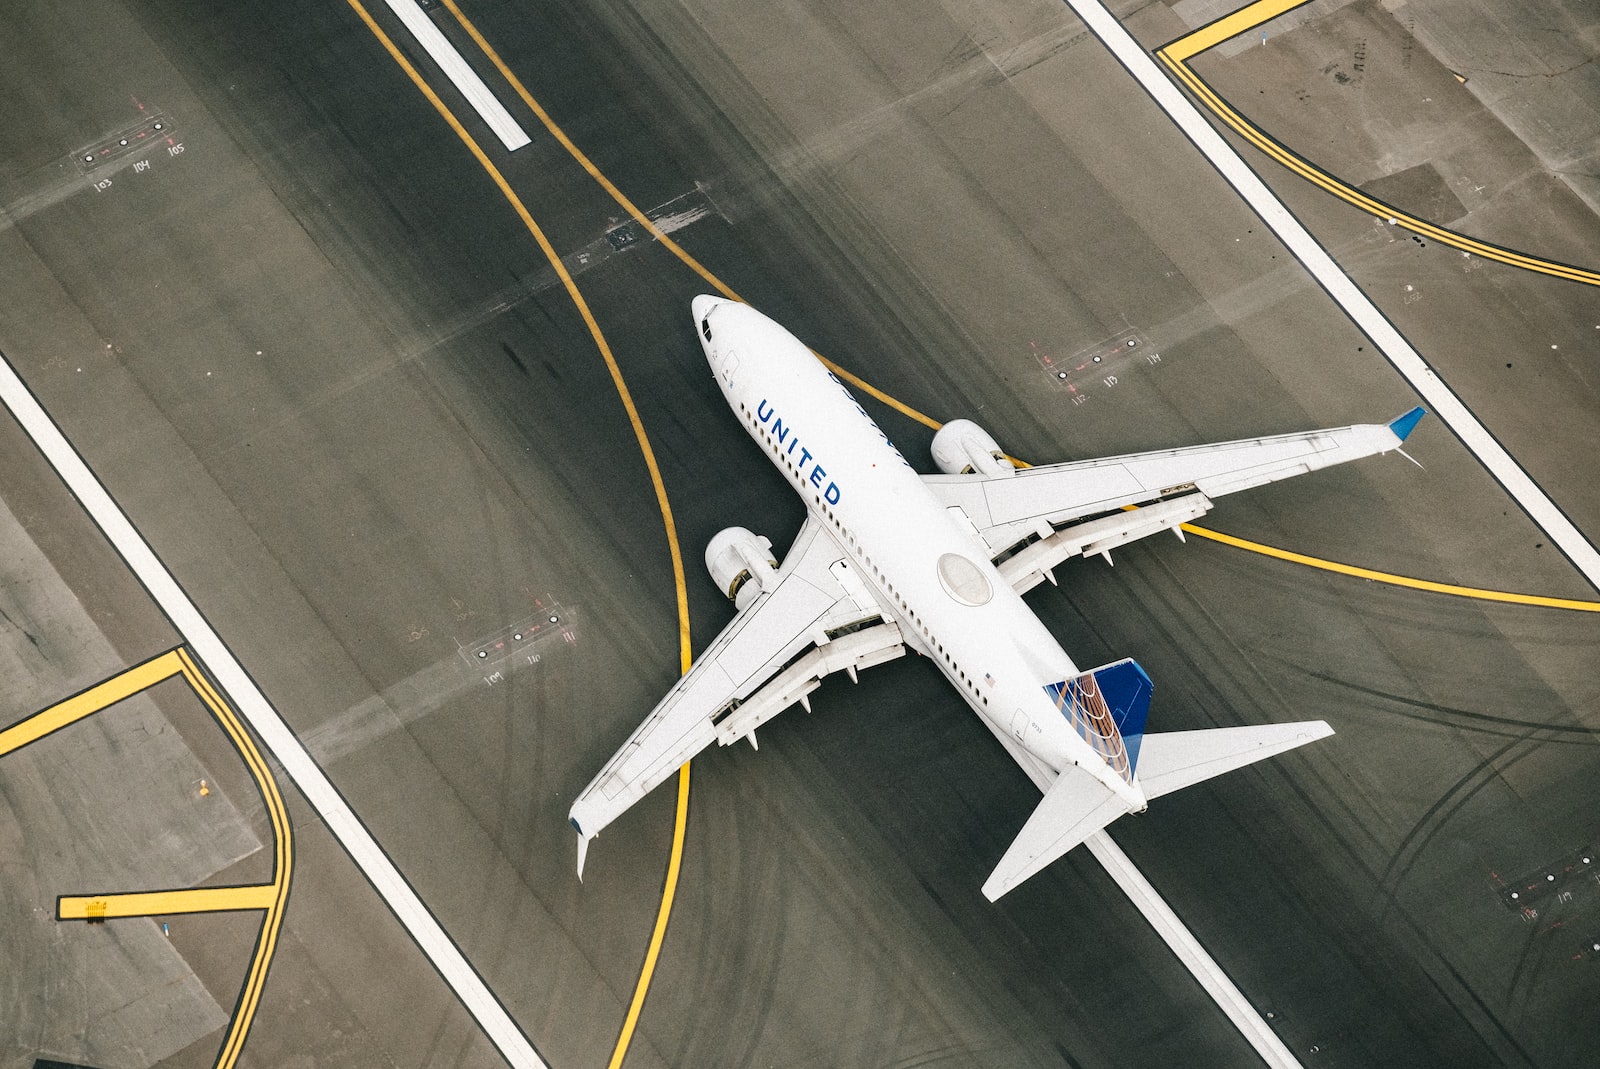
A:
x: 705, y: 328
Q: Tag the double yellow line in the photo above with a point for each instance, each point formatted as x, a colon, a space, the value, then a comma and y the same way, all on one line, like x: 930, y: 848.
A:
x: 268, y: 897
x: 1176, y: 57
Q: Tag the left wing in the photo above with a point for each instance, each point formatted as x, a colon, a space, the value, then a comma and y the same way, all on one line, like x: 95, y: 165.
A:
x: 1173, y: 486
x: 762, y: 663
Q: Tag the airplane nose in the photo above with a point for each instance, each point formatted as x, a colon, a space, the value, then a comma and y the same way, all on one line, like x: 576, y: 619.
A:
x: 703, y: 305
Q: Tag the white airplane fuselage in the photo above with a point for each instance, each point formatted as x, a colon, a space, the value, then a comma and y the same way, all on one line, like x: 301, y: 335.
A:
x: 929, y: 570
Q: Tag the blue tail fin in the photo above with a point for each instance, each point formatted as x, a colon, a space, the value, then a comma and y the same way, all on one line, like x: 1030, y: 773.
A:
x: 1119, y: 691
x: 1126, y: 689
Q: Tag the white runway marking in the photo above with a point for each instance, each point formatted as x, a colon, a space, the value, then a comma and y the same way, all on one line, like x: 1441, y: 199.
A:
x: 462, y: 76
x: 1405, y: 359
x: 1439, y: 397
x: 279, y: 740
x: 1188, y: 949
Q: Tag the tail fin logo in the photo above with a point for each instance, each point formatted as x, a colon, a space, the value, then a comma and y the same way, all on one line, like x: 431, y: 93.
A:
x: 1107, y: 707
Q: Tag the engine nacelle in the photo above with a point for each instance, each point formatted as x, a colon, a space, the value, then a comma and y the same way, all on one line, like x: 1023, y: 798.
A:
x: 741, y: 563
x: 961, y: 447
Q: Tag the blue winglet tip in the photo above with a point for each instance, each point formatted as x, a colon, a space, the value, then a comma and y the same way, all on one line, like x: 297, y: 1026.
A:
x: 1403, y: 426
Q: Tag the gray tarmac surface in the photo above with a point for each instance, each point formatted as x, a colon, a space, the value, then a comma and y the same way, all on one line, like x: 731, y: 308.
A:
x: 334, y: 383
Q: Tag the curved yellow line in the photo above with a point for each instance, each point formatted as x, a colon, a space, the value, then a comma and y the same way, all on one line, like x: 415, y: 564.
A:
x: 282, y: 861
x: 584, y: 161
x: 268, y: 897
x: 658, y: 935
x: 1477, y: 593
x: 1347, y: 193
x: 680, y: 822
x: 577, y: 300
x: 685, y: 654
x: 639, y: 217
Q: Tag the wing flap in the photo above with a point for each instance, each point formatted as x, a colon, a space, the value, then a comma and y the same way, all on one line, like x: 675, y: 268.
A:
x: 1032, y: 501
x: 810, y: 600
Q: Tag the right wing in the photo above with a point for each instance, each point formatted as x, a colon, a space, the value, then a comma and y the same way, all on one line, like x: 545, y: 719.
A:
x: 762, y: 663
x: 1172, y: 486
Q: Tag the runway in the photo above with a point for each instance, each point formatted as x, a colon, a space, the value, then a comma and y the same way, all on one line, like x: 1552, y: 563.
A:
x: 334, y: 381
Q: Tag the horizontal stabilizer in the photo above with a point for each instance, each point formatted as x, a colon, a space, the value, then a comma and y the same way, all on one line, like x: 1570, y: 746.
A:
x: 1172, y: 760
x: 1075, y: 807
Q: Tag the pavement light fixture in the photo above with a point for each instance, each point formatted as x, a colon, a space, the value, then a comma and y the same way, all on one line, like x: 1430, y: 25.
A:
x: 554, y: 619
x: 483, y: 653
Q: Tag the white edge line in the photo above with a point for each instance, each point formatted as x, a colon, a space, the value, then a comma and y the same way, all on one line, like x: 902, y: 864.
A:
x: 1399, y: 352
x: 1190, y: 952
x: 268, y: 724
x: 455, y: 68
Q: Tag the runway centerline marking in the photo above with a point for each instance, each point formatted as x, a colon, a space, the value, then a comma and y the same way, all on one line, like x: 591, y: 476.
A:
x: 463, y: 77
x: 271, y: 898
x: 1176, y: 56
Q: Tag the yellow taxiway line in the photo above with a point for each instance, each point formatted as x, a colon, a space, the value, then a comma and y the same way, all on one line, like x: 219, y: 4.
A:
x: 86, y: 703
x: 1227, y: 27
x: 1176, y: 55
x: 1243, y: 20
x: 674, y: 862
x: 269, y: 897
x: 163, y: 903
x: 1452, y: 589
x: 638, y: 216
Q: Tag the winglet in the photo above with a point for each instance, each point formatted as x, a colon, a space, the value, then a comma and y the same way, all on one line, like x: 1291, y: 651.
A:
x: 1403, y: 426
x: 583, y: 844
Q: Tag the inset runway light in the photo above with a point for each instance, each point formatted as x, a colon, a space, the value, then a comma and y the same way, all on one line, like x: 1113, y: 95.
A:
x: 555, y: 619
x: 483, y: 653
x: 517, y: 636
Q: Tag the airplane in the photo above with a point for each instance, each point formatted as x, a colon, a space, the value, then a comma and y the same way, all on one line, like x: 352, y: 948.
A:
x: 890, y: 560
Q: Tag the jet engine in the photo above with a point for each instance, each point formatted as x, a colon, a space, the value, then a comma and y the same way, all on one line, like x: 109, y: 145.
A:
x: 741, y: 563
x: 961, y: 447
